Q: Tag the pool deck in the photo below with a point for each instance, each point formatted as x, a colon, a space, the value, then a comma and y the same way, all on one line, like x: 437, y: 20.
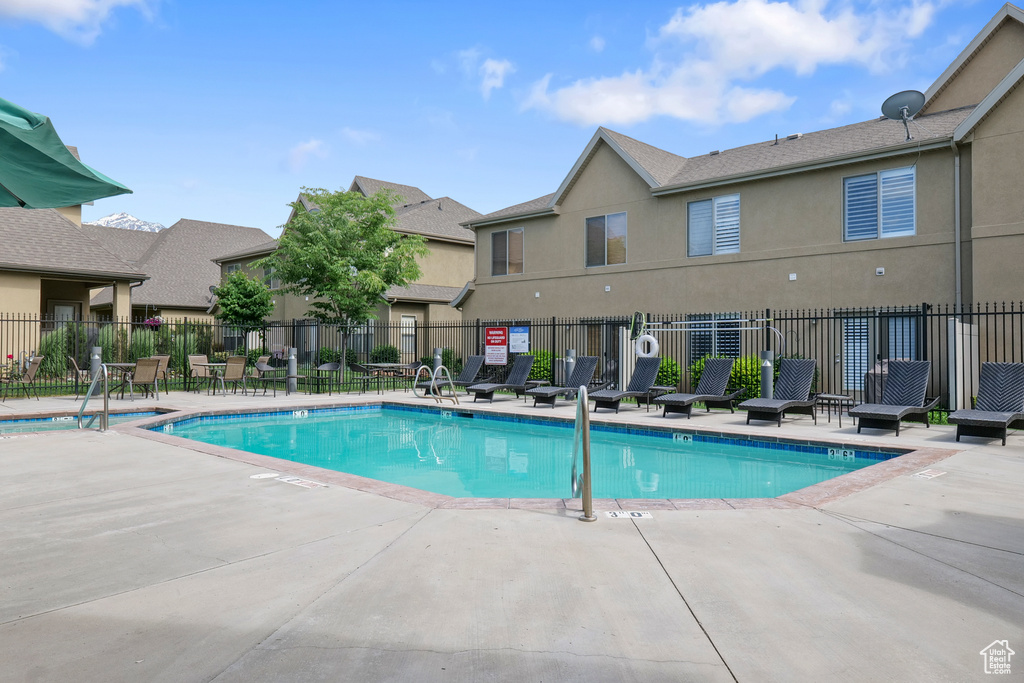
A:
x: 128, y: 558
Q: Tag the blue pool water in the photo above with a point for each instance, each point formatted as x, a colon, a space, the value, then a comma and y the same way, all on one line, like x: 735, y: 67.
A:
x: 48, y: 424
x: 481, y: 457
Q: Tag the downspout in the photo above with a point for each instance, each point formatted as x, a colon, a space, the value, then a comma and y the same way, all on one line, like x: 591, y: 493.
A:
x: 131, y: 286
x: 956, y: 226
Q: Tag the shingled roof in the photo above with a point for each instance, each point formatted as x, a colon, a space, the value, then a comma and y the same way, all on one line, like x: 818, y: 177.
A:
x: 666, y: 173
x: 422, y: 293
x: 179, y: 261
x: 436, y: 218
x: 407, y: 193
x: 43, y: 241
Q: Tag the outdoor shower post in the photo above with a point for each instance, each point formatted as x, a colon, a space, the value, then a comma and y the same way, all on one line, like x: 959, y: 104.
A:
x: 767, y: 373
x: 95, y: 359
x: 293, y: 371
x: 437, y: 358
x: 570, y: 363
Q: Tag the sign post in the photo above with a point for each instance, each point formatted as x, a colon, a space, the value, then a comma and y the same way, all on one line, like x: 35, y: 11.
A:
x: 496, y: 345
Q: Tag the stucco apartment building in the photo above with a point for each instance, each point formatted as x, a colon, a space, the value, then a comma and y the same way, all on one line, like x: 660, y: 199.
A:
x: 855, y: 216
x: 445, y: 269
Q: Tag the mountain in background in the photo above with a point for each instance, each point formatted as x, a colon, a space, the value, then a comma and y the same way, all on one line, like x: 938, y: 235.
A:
x: 126, y: 221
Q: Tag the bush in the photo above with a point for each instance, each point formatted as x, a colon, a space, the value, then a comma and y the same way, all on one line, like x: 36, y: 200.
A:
x: 384, y: 353
x: 746, y: 373
x: 668, y: 374
x: 54, y: 346
x: 183, y: 343
x: 329, y: 355
x: 253, y: 355
x: 113, y: 339
x: 351, y: 357
x: 542, y: 365
x: 143, y: 344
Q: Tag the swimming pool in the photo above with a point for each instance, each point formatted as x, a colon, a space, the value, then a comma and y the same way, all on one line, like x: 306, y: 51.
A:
x: 464, y: 454
x: 58, y: 422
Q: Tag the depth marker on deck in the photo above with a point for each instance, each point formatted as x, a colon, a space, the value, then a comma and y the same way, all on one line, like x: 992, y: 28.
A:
x: 929, y: 474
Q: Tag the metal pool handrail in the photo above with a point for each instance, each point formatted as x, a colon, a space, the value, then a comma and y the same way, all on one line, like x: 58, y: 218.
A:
x: 581, y: 483
x: 434, y: 393
x: 105, y: 415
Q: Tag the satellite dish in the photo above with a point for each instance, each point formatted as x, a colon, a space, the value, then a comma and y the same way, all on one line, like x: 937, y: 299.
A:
x: 902, y: 107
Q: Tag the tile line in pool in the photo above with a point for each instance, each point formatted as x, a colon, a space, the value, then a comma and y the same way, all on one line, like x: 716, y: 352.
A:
x: 489, y: 458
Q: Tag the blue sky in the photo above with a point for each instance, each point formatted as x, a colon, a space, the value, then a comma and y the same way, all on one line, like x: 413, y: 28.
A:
x: 221, y: 111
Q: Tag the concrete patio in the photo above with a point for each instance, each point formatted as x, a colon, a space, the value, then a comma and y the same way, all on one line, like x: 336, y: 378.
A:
x: 128, y: 558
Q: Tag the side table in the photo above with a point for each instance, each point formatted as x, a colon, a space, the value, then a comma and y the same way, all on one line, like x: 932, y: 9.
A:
x: 826, y: 401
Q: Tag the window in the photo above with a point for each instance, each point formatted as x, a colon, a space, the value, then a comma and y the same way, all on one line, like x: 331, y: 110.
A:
x: 713, y: 226
x: 867, y: 339
x: 606, y: 239
x: 717, y: 337
x: 507, y: 252
x: 879, y: 205
x: 268, y: 277
x: 408, y: 338
x: 232, y: 268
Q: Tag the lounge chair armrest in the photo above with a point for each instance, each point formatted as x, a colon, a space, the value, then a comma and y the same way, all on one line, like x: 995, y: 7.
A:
x: 735, y: 393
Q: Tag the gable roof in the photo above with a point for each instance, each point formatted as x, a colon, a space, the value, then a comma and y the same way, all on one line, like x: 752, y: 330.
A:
x: 407, y: 193
x: 1005, y: 13
x: 179, y: 262
x: 1009, y: 83
x: 422, y: 293
x: 45, y: 242
x: 535, y: 207
x: 436, y: 219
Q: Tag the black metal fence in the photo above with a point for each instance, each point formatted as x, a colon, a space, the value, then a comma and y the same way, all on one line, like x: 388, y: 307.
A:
x: 849, y: 345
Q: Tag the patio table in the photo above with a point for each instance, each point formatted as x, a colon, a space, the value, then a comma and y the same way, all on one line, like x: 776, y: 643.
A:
x: 123, y: 370
x: 218, y: 373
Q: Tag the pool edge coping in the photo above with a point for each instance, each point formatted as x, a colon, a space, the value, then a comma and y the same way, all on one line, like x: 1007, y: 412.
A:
x: 811, y: 496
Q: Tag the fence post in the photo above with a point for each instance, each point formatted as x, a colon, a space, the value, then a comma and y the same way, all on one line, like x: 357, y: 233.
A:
x: 554, y: 348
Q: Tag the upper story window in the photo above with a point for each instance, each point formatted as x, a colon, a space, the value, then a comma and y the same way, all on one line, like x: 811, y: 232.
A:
x: 606, y: 239
x: 879, y: 205
x: 268, y: 277
x: 713, y: 226
x: 507, y: 252
x: 232, y: 268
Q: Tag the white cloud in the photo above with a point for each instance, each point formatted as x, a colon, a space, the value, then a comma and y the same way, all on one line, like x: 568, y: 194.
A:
x: 77, y: 20
x: 706, y: 55
x: 839, y: 108
x: 300, y: 154
x: 493, y: 74
x: 597, y: 43
x: 359, y: 137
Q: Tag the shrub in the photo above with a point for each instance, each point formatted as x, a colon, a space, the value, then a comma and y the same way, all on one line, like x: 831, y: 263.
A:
x: 351, y: 357
x: 54, y: 346
x: 143, y: 344
x: 329, y: 355
x: 253, y: 355
x: 746, y: 373
x: 113, y: 339
x: 384, y: 353
x: 668, y: 373
x: 542, y: 365
x: 182, y: 345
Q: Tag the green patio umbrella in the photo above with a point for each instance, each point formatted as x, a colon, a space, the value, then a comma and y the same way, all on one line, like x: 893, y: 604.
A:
x: 37, y: 171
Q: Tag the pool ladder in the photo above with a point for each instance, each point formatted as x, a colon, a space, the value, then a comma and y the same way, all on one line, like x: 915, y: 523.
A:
x: 102, y: 377
x: 581, y: 483
x: 435, y: 390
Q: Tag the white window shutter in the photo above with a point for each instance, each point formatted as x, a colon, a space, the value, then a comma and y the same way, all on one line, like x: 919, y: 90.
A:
x: 861, y: 207
x: 897, y: 190
x: 699, y: 229
x: 727, y: 224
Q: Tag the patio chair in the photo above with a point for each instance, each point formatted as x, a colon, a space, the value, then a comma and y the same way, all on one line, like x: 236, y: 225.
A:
x: 26, y: 380
x: 516, y: 380
x: 792, y: 393
x: 324, y: 375
x: 363, y: 375
x: 711, y: 390
x: 234, y: 372
x: 644, y: 375
x: 80, y: 376
x: 145, y: 376
x: 161, y: 372
x: 582, y: 375
x: 903, y: 398
x: 265, y: 374
x: 467, y: 377
x: 1000, y: 403
x: 201, y: 373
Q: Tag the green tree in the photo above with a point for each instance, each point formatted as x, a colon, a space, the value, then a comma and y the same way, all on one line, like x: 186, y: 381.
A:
x: 344, y: 254
x: 243, y: 302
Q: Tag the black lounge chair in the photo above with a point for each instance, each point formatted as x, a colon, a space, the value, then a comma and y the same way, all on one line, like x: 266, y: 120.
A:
x: 1000, y: 403
x: 516, y: 380
x: 711, y: 390
x: 644, y: 375
x: 582, y: 374
x: 792, y: 393
x: 467, y: 377
x: 903, y: 398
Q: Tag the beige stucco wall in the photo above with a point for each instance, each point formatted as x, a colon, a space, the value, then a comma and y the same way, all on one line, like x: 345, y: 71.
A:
x: 788, y: 224
x: 1002, y: 52
x: 997, y: 232
x: 21, y: 293
x: 72, y: 213
x: 447, y: 265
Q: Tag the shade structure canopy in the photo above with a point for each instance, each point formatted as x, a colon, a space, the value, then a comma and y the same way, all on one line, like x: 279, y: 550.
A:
x: 37, y: 171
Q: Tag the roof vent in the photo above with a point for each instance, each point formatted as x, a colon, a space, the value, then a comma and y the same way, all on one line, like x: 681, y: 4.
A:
x: 794, y: 136
x: 715, y: 153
